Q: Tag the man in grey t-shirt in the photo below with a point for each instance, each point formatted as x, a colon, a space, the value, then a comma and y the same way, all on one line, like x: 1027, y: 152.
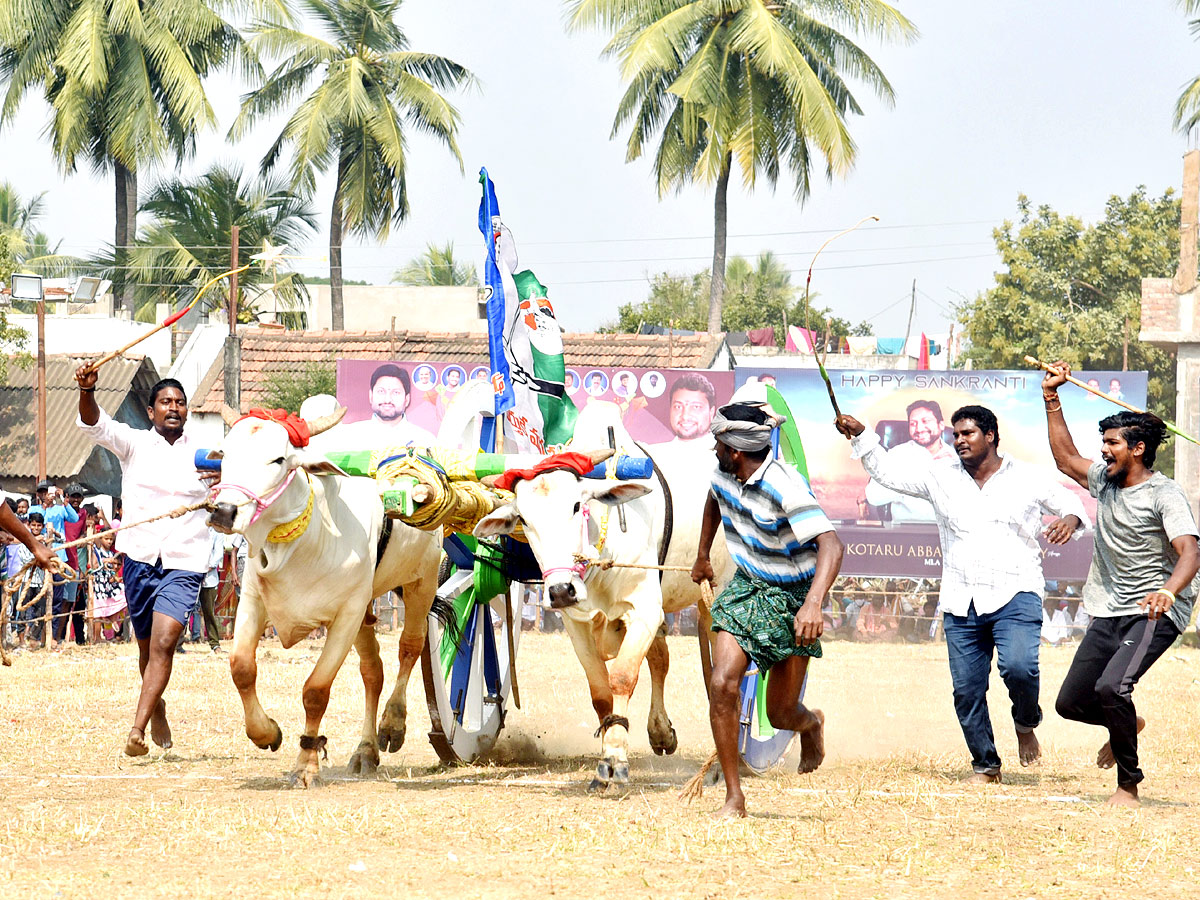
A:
x: 1139, y: 590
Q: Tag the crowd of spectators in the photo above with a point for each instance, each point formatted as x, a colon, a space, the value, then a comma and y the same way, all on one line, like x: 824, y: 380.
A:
x: 91, y: 608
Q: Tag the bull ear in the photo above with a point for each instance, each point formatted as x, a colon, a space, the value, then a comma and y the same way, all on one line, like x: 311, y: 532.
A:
x: 229, y: 414
x: 502, y: 521
x: 616, y: 493
x: 321, y: 467
x: 324, y: 423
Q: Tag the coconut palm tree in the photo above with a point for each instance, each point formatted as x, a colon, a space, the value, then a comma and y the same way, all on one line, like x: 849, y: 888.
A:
x: 185, y: 244
x: 436, y: 266
x: 358, y: 87
x: 1187, y: 107
x: 759, y: 83
x: 124, y: 82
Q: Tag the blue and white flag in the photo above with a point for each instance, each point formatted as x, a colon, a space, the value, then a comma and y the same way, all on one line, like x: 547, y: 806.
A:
x: 524, y: 343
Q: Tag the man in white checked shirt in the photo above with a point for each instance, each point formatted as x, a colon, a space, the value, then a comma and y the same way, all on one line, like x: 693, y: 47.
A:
x: 989, y: 511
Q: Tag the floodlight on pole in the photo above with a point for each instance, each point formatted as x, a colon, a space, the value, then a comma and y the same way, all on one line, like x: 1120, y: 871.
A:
x: 25, y: 287
x: 88, y: 289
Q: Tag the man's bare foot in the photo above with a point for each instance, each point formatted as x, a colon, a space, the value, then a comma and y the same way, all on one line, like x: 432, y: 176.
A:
x: 983, y: 778
x: 160, y: 730
x: 812, y: 746
x: 1105, y: 758
x: 1028, y: 749
x: 135, y: 744
x: 1125, y: 796
x: 734, y: 808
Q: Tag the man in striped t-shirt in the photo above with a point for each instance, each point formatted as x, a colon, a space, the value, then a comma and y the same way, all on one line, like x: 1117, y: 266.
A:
x: 787, y: 557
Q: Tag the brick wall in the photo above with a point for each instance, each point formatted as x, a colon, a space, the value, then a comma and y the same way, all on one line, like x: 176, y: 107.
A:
x: 1160, y: 306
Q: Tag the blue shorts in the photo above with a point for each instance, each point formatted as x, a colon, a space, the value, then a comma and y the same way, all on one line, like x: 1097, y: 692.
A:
x: 151, y: 589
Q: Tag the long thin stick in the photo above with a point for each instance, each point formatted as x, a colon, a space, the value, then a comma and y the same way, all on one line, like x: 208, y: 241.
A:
x: 167, y: 322
x: 807, y: 284
x: 1034, y: 361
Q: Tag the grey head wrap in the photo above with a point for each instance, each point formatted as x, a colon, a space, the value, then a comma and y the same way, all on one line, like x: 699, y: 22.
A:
x: 741, y: 435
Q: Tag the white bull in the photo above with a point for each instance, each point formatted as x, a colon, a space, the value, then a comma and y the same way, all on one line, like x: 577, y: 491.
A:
x: 614, y: 616
x: 320, y: 549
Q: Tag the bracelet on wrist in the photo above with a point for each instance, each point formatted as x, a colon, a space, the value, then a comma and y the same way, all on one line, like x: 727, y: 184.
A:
x: 84, y: 390
x: 1163, y: 590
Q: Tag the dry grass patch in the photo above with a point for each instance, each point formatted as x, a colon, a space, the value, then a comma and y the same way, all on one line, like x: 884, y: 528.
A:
x: 885, y: 817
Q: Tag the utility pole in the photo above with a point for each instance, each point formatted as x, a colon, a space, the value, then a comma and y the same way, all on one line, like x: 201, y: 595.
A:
x: 233, y: 344
x: 911, y: 307
x: 41, y: 389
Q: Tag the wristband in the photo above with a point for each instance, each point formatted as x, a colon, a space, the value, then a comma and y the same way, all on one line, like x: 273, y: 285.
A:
x: 1163, y: 590
x: 84, y: 390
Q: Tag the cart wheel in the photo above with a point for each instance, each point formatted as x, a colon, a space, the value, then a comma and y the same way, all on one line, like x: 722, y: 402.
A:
x: 466, y: 687
x: 761, y: 746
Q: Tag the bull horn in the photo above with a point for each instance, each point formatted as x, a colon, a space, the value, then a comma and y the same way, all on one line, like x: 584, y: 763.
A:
x: 324, y: 423
x: 229, y: 415
x: 598, y: 456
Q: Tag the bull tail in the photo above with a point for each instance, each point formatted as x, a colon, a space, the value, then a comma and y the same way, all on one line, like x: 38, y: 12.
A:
x: 443, y: 610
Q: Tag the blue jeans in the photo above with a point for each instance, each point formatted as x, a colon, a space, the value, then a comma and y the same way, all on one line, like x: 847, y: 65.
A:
x: 1013, y: 631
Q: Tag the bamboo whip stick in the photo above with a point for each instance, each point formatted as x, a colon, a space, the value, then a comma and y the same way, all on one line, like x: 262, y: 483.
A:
x: 1171, y: 427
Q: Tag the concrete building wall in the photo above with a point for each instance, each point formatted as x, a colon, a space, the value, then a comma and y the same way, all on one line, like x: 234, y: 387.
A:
x: 371, y: 308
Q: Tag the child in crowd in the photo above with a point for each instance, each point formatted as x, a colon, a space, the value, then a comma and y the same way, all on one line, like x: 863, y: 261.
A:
x: 31, y: 619
x: 108, y: 592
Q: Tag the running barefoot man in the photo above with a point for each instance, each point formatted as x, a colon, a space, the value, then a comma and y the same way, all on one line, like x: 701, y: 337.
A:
x: 989, y: 511
x: 164, y: 560
x: 1139, y: 590
x: 787, y: 557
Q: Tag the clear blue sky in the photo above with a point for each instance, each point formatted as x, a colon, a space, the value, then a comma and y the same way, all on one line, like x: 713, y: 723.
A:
x: 1068, y: 102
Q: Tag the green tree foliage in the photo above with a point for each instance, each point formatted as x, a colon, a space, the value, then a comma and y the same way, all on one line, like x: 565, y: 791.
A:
x: 437, y: 266
x: 358, y: 89
x: 759, y: 294
x: 1073, y: 291
x: 759, y: 83
x: 123, y: 81
x: 287, y: 390
x: 186, y: 243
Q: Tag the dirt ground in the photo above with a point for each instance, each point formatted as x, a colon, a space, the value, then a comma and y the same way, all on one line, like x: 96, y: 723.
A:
x: 885, y: 816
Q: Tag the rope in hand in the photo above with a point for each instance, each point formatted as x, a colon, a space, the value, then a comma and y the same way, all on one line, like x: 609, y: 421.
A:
x: 19, y: 582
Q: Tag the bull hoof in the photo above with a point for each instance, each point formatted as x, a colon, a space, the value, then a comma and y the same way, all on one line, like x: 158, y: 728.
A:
x: 303, y: 778
x: 621, y: 773
x: 391, y: 738
x: 669, y: 747
x: 604, y: 775
x: 365, y: 760
x: 392, y: 728
x: 274, y: 743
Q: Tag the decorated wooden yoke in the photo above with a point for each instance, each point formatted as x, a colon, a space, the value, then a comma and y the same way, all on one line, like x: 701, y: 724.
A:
x: 443, y: 487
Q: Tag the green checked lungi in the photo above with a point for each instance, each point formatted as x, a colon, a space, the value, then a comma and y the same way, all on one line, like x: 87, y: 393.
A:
x: 762, y: 618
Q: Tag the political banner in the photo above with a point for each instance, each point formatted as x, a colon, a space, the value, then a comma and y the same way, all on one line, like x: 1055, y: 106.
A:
x: 404, y: 402
x: 889, y: 534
